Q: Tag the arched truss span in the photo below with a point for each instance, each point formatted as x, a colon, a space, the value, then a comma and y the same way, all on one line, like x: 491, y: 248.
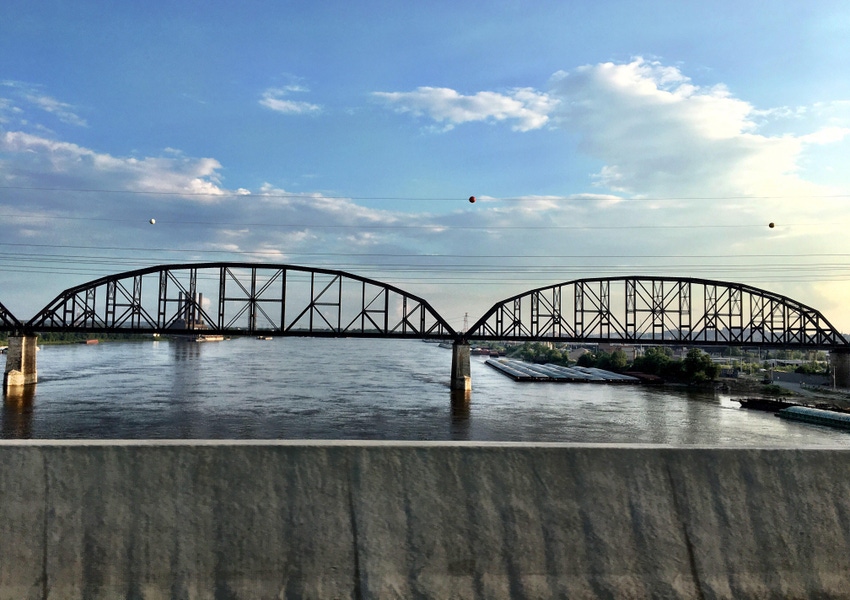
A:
x: 241, y: 299
x: 657, y: 310
x: 8, y: 322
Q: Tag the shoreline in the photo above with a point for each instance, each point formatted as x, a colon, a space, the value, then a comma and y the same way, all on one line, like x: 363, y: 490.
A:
x: 800, y: 392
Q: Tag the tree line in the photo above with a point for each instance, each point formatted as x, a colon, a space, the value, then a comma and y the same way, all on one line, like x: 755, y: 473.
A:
x: 695, y: 368
x: 74, y: 338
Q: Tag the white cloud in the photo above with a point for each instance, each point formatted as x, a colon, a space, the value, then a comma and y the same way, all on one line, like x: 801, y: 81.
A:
x: 62, y: 111
x: 315, y: 209
x: 34, y: 160
x: 827, y: 135
x: 659, y: 134
x: 28, y: 95
x: 7, y: 110
x: 276, y: 100
x: 529, y: 109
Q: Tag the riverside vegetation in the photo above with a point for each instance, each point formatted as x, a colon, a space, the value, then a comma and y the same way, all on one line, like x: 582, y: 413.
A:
x: 695, y: 368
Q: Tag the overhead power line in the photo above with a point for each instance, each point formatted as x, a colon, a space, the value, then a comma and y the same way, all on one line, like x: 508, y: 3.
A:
x: 435, y: 227
x: 312, y: 195
x: 466, y: 255
x: 413, y: 277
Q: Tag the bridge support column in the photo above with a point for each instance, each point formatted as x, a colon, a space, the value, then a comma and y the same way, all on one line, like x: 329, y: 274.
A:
x: 839, y: 364
x: 20, y: 362
x: 461, y: 374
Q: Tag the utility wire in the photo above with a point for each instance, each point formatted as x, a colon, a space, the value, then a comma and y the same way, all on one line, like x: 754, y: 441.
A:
x: 436, y: 227
x: 410, y: 255
x: 308, y: 195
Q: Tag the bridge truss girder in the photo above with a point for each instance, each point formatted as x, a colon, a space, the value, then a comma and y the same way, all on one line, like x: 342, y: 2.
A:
x: 8, y: 322
x: 241, y: 299
x: 657, y: 311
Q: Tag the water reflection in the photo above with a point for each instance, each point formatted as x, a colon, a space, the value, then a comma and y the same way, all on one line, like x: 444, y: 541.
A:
x: 461, y: 401
x: 184, y: 380
x: 18, y: 404
x: 185, y: 350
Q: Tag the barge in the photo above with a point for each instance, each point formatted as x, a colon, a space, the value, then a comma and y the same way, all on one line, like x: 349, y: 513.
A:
x: 768, y: 404
x: 522, y: 371
x: 816, y: 416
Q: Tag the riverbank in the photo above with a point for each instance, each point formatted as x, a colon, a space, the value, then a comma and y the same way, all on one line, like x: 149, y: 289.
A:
x: 795, y: 389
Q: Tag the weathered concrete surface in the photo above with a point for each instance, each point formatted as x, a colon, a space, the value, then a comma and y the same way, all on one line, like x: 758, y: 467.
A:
x: 406, y: 520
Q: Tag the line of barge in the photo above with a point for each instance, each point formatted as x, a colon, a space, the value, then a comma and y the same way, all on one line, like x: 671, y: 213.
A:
x: 522, y: 371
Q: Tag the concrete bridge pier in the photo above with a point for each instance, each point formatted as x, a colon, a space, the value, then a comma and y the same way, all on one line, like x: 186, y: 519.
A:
x: 20, y: 362
x: 461, y: 374
x: 839, y: 362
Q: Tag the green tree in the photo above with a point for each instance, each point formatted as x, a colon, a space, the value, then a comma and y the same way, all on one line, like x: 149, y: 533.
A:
x: 618, y: 360
x: 539, y: 353
x: 655, y: 361
x: 587, y: 360
x: 698, y: 367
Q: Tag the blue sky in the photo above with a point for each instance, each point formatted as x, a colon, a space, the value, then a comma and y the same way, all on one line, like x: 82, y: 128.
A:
x: 601, y: 138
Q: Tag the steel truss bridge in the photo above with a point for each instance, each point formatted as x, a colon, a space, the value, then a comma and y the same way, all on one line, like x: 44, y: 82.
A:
x: 656, y: 311
x: 237, y: 299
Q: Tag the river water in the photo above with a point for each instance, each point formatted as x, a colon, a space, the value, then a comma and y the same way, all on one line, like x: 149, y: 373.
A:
x: 306, y: 388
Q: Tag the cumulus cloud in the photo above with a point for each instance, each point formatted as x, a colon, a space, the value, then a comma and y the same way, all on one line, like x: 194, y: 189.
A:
x: 527, y: 108
x: 32, y: 160
x: 827, y: 135
x: 660, y: 134
x: 277, y: 99
x: 655, y: 130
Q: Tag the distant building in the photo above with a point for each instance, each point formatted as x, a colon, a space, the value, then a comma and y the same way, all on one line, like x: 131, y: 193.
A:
x: 574, y: 355
x: 629, y: 351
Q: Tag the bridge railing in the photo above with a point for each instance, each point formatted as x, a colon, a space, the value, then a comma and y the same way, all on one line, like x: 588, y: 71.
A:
x: 656, y: 310
x: 242, y: 299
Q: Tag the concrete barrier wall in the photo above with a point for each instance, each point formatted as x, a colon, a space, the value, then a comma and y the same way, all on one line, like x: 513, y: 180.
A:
x: 361, y: 520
